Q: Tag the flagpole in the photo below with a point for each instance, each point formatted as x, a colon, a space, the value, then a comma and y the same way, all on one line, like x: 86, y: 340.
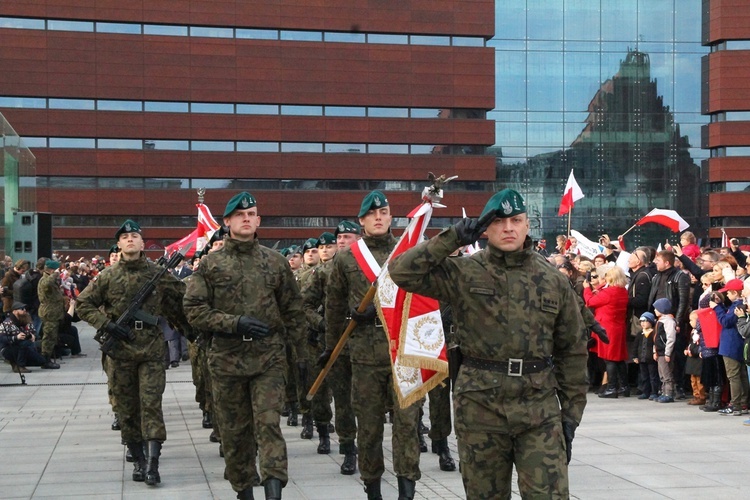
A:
x: 631, y: 228
x: 570, y: 214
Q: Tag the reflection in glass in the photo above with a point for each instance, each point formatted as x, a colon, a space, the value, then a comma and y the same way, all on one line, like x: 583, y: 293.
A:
x: 344, y: 37
x: 163, y: 29
x: 119, y: 143
x: 389, y: 39
x: 374, y: 112
x: 344, y: 148
x: 166, y: 107
x: 302, y: 110
x: 206, y: 107
x: 302, y: 36
x: 258, y: 147
x: 467, y: 41
x: 258, y: 109
x: 85, y: 104
x: 23, y: 102
x: 345, y: 111
x: 425, y: 113
x: 63, y: 25
x: 429, y: 40
x: 211, y: 145
x: 21, y: 23
x: 301, y: 147
x: 257, y: 34
x: 34, y: 142
x: 124, y: 28
x: 398, y: 149
x: 159, y: 144
x: 737, y: 151
x: 108, y: 105
x: 69, y: 142
x: 211, y: 32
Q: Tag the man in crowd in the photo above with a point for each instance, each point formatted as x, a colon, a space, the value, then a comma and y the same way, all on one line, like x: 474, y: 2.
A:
x: 521, y: 388
x: 246, y: 295
x: 17, y: 341
x: 13, y: 275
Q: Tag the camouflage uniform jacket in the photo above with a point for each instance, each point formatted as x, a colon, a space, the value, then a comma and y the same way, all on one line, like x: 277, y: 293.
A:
x: 109, y: 295
x: 246, y: 279
x: 505, y: 305
x: 51, y: 301
x: 314, y: 295
x: 347, y: 286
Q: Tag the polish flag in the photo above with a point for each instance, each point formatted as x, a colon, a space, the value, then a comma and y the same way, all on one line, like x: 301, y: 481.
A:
x: 206, y: 227
x: 571, y: 195
x: 666, y: 218
x: 724, y: 238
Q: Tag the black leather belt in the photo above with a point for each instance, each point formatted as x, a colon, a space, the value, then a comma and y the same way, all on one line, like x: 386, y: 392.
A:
x: 373, y: 322
x: 514, y: 367
x: 232, y: 336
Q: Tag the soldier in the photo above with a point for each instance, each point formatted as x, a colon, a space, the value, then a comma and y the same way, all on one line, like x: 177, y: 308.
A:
x: 521, y: 388
x: 51, y: 307
x: 136, y: 367
x: 246, y: 295
x: 295, y: 258
x: 372, y: 378
x: 340, y: 379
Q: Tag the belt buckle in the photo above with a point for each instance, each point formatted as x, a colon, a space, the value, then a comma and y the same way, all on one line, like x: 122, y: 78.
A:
x: 247, y: 339
x: 515, y: 367
x: 138, y: 325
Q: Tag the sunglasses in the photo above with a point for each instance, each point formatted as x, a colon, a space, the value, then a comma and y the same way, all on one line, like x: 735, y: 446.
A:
x: 594, y: 276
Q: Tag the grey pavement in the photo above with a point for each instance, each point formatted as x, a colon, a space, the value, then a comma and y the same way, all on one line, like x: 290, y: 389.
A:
x: 56, y: 442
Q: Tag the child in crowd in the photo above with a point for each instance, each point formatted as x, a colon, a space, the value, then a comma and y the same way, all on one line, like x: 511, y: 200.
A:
x: 694, y: 364
x: 644, y: 350
x: 666, y: 332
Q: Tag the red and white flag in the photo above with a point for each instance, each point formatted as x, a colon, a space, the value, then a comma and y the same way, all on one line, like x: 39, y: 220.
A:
x: 571, y: 195
x: 206, y: 227
x: 412, y: 322
x: 724, y: 238
x: 666, y: 218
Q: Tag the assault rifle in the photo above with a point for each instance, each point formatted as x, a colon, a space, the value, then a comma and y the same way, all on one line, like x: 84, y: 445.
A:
x: 134, y: 315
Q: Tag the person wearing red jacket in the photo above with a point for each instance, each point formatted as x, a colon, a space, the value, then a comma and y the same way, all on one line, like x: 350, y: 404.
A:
x: 610, y: 305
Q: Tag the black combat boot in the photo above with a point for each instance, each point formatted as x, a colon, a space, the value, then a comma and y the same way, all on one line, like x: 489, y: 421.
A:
x: 373, y: 490
x: 422, y: 443
x: 214, y: 437
x: 285, y: 411
x: 293, y: 412
x: 207, y: 423
x: 129, y: 456
x: 246, y: 494
x: 116, y: 423
x: 349, y: 466
x: 139, y: 461
x: 307, y: 426
x: 406, y: 488
x: 444, y: 455
x: 152, y: 465
x: 714, y: 402
x: 324, y: 446
x: 272, y: 487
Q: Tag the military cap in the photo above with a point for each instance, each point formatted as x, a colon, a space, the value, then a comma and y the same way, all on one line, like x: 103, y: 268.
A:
x: 346, y: 226
x: 375, y: 199
x: 114, y: 249
x: 309, y: 244
x: 240, y: 201
x: 284, y: 252
x: 294, y: 249
x: 52, y: 264
x: 129, y: 226
x: 17, y: 305
x: 505, y: 203
x: 326, y: 239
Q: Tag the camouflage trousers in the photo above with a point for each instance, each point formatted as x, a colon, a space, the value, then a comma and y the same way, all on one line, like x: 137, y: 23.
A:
x: 50, y: 331
x: 440, y: 411
x: 487, y: 457
x: 320, y: 406
x: 107, y: 368
x: 247, y: 409
x: 199, y: 368
x: 290, y: 390
x: 137, y: 389
x: 372, y: 390
x: 340, y: 382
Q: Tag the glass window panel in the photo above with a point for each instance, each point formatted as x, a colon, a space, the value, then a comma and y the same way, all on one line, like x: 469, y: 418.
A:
x: 125, y: 28
x: 662, y: 70
x: 212, y: 183
x: 467, y: 41
x: 258, y: 147
x: 166, y: 107
x: 73, y: 182
x: 545, y: 116
x: 513, y: 152
x: 301, y: 147
x: 688, y: 20
x: 23, y: 102
x: 34, y: 142
x: 69, y: 142
x: 738, y: 115
x: 257, y: 109
x: 738, y: 151
x: 581, y: 79
x: 345, y: 111
x: 582, y: 20
x: 656, y: 20
x: 588, y: 46
x: 510, y: 90
x: 211, y: 32
x: 738, y: 44
x: 207, y: 107
x: 737, y: 186
x: 301, y: 110
x: 507, y: 116
x: 120, y: 144
x: 545, y: 135
x: 85, y: 104
x: 302, y: 36
x: 429, y: 40
x: 388, y: 112
x: 120, y: 183
x: 344, y: 148
x: 425, y: 113
x: 257, y: 34
x: 212, y: 145
x: 344, y: 37
x: 63, y: 25
x: 158, y: 144
x: 20, y: 23
x: 428, y: 149
x: 546, y: 45
x: 544, y: 19
x: 107, y: 105
x: 502, y: 44
x: 616, y: 47
x: 572, y: 131
x: 390, y: 39
x: 163, y: 29
x: 398, y: 149
x: 510, y: 21
x: 150, y: 183
x: 545, y: 81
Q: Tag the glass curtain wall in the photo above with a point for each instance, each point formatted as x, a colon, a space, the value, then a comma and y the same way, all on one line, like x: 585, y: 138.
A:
x: 610, y: 89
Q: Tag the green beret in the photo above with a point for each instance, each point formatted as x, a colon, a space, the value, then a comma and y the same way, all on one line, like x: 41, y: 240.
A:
x: 346, y: 226
x: 284, y: 252
x: 52, y: 264
x: 326, y: 239
x: 129, y: 226
x: 506, y: 203
x: 294, y: 249
x: 114, y: 249
x: 375, y: 199
x: 240, y: 201
x: 309, y: 244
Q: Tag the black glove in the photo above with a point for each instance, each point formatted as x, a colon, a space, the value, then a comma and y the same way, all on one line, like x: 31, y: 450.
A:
x: 569, y: 432
x: 119, y: 332
x: 324, y: 357
x: 365, y: 317
x: 600, y: 332
x: 469, y: 230
x: 248, y: 326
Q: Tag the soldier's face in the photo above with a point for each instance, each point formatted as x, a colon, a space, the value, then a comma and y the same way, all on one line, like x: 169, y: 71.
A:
x: 114, y: 257
x: 242, y: 224
x: 312, y: 257
x: 295, y: 261
x: 327, y: 252
x: 130, y: 245
x: 216, y: 245
x: 508, y: 233
x: 345, y: 240
x: 376, y: 222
